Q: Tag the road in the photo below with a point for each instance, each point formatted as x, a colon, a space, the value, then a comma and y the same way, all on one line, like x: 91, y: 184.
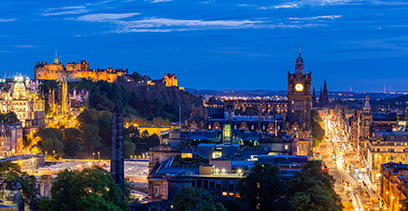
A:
x: 345, y: 165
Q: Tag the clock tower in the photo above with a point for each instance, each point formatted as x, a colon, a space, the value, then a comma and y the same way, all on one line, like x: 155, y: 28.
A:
x: 300, y: 99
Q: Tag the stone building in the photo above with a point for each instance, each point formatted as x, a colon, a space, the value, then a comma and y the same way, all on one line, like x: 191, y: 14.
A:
x: 394, y: 186
x: 11, y: 139
x: 58, y: 71
x: 26, y: 103
x: 386, y: 147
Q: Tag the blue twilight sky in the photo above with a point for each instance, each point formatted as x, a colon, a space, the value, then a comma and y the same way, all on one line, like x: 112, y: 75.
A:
x: 214, y: 44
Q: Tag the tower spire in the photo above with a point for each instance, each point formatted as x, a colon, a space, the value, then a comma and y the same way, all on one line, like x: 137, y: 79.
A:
x: 56, y: 57
x: 299, y: 66
x: 300, y: 49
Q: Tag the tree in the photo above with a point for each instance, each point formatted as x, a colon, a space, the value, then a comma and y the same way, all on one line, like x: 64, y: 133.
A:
x: 262, y: 187
x: 129, y: 149
x: 51, y: 139
x: 89, y: 189
x: 11, y: 173
x: 73, y: 141
x: 136, y: 77
x: 91, y: 138
x: 190, y: 198
x: 312, y: 189
x: 10, y: 117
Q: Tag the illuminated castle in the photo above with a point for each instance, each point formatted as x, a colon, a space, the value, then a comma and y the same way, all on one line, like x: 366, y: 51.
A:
x: 57, y: 70
x: 25, y: 102
x: 170, y: 79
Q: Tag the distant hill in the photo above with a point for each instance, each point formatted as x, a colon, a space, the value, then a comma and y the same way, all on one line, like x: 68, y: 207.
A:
x: 400, y: 101
x: 241, y: 93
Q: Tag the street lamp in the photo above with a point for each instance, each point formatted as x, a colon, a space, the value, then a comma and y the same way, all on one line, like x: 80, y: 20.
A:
x: 99, y: 155
x: 93, y: 155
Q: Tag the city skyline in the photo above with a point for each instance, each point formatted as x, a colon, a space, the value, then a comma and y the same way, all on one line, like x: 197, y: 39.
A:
x: 215, y: 45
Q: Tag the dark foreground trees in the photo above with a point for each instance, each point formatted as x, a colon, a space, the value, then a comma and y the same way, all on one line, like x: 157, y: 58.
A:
x: 89, y: 189
x: 309, y: 189
x: 190, y: 198
x: 312, y: 189
x: 262, y: 187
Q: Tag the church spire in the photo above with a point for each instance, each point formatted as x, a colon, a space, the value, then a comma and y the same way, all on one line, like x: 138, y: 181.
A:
x: 324, y: 100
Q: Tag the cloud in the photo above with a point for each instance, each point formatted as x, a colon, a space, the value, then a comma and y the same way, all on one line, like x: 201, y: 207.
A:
x: 104, y: 17
x: 66, y: 12
x: 312, y: 3
x: 159, y: 1
x: 26, y: 46
x: 5, y: 20
x: 327, y: 2
x: 167, y: 24
x: 66, y: 8
x: 390, y: 3
x: 171, y: 25
x: 329, y: 17
x: 280, y: 6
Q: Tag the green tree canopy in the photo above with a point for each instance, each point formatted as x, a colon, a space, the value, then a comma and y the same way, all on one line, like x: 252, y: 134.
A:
x: 51, y: 139
x: 190, y: 198
x: 10, y: 117
x: 89, y: 189
x: 262, y: 187
x: 312, y: 189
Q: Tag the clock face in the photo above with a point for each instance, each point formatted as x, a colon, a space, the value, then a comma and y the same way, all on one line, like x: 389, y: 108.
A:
x: 299, y: 87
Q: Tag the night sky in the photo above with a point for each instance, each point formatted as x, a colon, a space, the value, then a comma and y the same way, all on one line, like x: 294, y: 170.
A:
x: 229, y: 44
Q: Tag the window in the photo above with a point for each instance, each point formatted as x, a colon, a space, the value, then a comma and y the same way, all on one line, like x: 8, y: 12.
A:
x: 156, y: 191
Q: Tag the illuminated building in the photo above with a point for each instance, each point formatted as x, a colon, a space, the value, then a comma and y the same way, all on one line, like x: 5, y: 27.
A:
x: 154, y: 129
x: 170, y: 79
x: 365, y: 127
x: 218, y: 177
x: 26, y: 103
x: 386, y: 147
x: 300, y: 105
x: 11, y: 139
x: 78, y: 97
x: 57, y: 71
x: 394, y: 186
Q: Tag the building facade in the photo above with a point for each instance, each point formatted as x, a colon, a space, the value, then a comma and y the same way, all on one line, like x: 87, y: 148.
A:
x: 393, y: 186
x: 26, y: 103
x: 11, y: 139
x: 386, y: 147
